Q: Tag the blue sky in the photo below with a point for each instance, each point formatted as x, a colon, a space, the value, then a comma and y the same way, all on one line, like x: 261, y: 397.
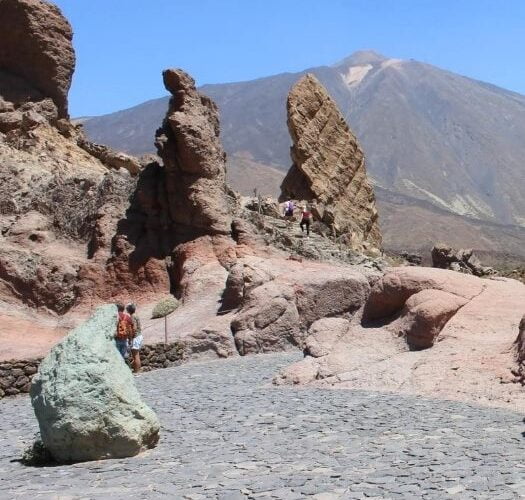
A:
x: 123, y: 45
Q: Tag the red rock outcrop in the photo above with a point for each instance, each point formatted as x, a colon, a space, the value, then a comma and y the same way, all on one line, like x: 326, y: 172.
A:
x: 469, y: 323
x: 175, y: 202
x: 61, y: 197
x: 37, y: 59
x: 279, y: 299
x: 328, y: 167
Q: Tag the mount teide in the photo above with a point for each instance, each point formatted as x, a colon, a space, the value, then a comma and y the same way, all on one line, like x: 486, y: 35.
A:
x: 438, y: 142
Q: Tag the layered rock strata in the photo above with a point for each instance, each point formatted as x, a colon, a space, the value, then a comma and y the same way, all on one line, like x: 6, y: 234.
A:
x: 328, y: 168
x: 85, y: 399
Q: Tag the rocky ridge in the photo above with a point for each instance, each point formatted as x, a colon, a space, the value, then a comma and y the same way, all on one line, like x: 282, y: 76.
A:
x: 462, y: 260
x: 329, y: 167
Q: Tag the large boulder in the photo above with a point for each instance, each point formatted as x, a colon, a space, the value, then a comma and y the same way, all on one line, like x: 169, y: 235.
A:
x: 36, y: 48
x: 329, y: 166
x: 424, y: 316
x: 85, y: 399
x: 280, y: 299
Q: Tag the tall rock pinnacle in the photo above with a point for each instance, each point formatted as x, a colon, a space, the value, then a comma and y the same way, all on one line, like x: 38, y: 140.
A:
x: 329, y: 166
x: 194, y: 161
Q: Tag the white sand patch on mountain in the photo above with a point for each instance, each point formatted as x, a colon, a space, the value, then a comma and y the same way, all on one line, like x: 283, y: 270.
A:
x: 356, y: 74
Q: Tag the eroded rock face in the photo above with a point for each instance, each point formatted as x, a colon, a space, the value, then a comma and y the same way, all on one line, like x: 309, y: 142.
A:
x: 85, y: 399
x: 59, y: 207
x: 194, y: 161
x: 36, y: 54
x: 424, y: 331
x: 329, y: 166
x: 279, y: 300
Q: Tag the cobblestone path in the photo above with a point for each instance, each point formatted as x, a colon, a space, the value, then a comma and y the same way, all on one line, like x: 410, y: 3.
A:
x: 228, y: 434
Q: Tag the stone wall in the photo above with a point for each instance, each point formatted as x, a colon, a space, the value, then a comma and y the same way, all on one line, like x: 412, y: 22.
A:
x: 16, y: 375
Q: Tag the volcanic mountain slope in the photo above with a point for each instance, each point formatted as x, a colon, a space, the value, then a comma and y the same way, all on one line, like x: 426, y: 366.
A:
x: 428, y: 133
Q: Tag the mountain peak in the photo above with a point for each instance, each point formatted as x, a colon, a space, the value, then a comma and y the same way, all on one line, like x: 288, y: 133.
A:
x: 361, y: 57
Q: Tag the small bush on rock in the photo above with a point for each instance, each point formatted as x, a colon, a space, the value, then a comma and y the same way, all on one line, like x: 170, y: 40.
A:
x: 164, y: 307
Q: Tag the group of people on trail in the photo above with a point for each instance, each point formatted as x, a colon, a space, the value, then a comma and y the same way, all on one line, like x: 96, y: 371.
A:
x: 128, y: 336
x: 306, y: 216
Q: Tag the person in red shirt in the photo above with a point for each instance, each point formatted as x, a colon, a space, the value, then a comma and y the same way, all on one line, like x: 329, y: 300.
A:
x: 306, y: 220
x: 123, y: 331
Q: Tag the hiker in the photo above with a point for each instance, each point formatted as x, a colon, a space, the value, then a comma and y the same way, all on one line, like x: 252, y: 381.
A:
x: 288, y: 208
x: 136, y: 338
x: 123, y: 332
x: 306, y: 219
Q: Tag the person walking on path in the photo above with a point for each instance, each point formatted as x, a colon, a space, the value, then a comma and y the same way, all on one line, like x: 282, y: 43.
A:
x: 288, y: 209
x: 123, y: 331
x: 306, y: 220
x: 136, y: 339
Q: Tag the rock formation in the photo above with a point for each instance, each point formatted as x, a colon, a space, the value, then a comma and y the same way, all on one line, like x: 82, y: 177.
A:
x: 463, y: 261
x: 194, y: 161
x: 424, y: 331
x: 61, y: 197
x: 279, y: 299
x: 36, y: 55
x: 175, y: 202
x: 329, y: 166
x: 81, y: 224
x: 85, y: 399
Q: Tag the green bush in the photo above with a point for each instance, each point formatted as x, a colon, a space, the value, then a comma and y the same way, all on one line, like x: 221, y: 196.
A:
x: 164, y: 307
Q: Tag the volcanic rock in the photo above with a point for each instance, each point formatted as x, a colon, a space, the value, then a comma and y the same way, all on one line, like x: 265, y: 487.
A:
x: 280, y: 299
x: 194, y: 161
x: 85, y: 399
x: 323, y: 334
x: 462, y: 260
x: 521, y: 340
x: 469, y: 323
x: 37, y: 48
x: 520, y: 353
x: 329, y: 166
x: 424, y: 316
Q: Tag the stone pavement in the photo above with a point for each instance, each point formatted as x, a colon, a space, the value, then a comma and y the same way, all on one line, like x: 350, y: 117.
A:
x: 228, y: 434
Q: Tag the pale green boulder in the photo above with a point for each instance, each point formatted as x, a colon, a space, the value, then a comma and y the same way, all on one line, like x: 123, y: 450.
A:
x: 85, y: 398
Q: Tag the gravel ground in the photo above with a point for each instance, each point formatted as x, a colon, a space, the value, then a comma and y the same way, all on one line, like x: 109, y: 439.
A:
x: 228, y: 434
